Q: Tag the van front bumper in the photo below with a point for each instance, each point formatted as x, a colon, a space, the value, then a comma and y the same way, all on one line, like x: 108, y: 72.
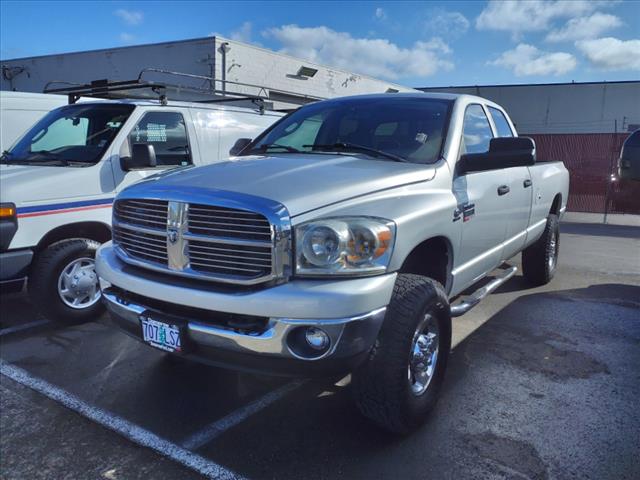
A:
x: 14, y: 267
x: 349, y: 311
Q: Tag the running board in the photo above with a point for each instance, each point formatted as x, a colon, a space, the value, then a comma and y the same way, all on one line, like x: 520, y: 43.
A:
x: 477, y: 296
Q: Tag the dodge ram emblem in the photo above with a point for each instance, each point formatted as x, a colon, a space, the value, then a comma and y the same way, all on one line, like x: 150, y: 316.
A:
x: 172, y: 235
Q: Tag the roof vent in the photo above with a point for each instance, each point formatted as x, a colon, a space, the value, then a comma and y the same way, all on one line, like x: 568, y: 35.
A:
x: 306, y: 71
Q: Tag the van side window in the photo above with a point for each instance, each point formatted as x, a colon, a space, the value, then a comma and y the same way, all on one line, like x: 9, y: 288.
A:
x: 476, y: 131
x: 167, y: 132
x: 502, y: 125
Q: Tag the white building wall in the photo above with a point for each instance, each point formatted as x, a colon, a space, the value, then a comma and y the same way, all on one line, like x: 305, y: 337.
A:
x: 245, y: 64
x: 564, y: 108
x: 32, y: 74
x: 250, y: 64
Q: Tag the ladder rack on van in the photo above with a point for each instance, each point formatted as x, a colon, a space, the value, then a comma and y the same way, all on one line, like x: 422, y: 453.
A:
x: 101, y: 89
x: 104, y: 88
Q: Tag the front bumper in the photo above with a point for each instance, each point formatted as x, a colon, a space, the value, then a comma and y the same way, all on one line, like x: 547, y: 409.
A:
x: 351, y: 312
x: 269, y: 351
x: 14, y: 266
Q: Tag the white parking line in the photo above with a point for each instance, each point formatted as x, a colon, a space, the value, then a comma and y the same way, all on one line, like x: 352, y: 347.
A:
x: 218, y: 427
x: 25, y: 326
x: 119, y: 425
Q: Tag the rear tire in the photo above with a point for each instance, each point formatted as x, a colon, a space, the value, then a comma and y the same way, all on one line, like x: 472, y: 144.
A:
x: 391, y: 388
x: 61, y: 273
x: 540, y: 260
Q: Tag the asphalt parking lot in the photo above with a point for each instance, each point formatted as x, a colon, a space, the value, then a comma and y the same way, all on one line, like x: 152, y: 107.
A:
x: 542, y: 383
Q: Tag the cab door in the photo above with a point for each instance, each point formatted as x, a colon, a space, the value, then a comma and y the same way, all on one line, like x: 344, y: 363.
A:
x: 170, y: 132
x: 517, y: 195
x: 480, y: 207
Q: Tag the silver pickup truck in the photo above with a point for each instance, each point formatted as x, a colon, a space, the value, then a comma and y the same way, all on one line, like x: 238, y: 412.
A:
x: 340, y: 240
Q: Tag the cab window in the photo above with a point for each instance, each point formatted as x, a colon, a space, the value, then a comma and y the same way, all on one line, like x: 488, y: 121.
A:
x: 74, y: 135
x: 476, y: 131
x: 500, y: 121
x: 62, y: 133
x: 302, y: 133
x: 409, y: 127
x: 167, y: 132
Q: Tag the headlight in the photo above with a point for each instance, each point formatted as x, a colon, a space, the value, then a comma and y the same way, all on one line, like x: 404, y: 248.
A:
x: 7, y: 211
x: 344, y: 246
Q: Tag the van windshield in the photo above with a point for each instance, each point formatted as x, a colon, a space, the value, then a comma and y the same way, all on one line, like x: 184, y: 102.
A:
x: 407, y: 129
x: 74, y: 135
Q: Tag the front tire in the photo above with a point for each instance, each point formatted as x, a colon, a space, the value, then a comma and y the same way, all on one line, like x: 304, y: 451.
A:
x: 399, y: 383
x: 63, y: 283
x: 539, y: 260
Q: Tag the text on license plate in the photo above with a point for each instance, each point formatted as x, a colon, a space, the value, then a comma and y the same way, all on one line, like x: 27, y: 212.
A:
x: 161, y: 335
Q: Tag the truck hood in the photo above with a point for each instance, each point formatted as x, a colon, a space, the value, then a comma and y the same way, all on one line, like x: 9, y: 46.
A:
x: 29, y: 184
x: 300, y: 182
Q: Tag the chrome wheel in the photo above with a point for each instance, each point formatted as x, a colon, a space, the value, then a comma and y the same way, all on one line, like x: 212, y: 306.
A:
x: 78, y: 284
x: 553, y: 252
x: 424, y: 355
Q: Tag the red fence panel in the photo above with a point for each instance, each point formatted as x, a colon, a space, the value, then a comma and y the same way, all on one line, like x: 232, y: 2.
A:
x: 591, y: 158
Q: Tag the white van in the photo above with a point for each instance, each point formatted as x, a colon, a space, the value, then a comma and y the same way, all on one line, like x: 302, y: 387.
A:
x: 20, y: 110
x: 58, y: 181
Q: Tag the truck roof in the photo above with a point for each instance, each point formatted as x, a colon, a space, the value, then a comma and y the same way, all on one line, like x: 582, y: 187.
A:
x: 417, y: 95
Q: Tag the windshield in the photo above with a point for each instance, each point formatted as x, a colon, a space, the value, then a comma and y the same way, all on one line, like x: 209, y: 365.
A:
x: 70, y: 135
x: 402, y: 128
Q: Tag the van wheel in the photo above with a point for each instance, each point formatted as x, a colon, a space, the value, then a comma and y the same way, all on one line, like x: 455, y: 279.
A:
x: 539, y: 260
x: 63, y: 283
x: 399, y: 383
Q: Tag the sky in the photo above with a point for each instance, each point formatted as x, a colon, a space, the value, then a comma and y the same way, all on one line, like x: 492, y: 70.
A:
x: 416, y: 44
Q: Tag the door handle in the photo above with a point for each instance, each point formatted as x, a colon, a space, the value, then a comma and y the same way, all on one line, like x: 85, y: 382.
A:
x: 503, y: 189
x: 527, y: 183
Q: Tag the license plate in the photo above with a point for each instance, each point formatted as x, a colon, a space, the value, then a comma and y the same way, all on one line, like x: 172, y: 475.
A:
x: 161, y: 335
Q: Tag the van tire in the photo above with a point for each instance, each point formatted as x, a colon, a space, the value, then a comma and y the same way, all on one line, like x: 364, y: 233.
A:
x: 382, y: 386
x: 46, y: 272
x: 540, y: 260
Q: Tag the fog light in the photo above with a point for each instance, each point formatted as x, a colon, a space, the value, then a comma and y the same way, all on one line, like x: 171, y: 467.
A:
x: 316, y: 338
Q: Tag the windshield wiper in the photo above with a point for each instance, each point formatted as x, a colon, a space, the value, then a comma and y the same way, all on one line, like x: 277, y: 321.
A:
x: 353, y: 146
x: 5, y: 157
x: 48, y: 157
x: 265, y: 147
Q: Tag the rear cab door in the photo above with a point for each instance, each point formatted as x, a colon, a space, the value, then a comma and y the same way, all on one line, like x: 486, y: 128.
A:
x: 517, y: 194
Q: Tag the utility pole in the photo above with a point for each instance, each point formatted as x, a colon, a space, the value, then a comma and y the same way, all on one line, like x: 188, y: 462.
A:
x: 224, y: 48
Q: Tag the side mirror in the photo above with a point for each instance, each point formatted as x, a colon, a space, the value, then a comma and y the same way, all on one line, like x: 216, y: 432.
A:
x: 504, y: 152
x: 629, y: 163
x: 239, y: 146
x: 143, y: 155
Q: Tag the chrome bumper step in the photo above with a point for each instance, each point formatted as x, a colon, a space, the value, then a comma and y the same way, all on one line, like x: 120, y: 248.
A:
x: 476, y: 297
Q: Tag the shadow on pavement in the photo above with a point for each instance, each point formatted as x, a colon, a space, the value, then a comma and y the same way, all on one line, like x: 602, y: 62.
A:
x: 546, y: 388
x: 15, y: 309
x: 600, y: 230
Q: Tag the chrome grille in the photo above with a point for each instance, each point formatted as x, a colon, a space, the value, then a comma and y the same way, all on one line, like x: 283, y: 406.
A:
x: 200, y: 241
x: 228, y: 222
x: 142, y: 213
x: 150, y: 247
x: 230, y: 259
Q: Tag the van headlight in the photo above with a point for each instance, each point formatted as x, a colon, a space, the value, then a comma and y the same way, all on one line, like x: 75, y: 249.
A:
x: 8, y: 211
x: 344, y: 246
